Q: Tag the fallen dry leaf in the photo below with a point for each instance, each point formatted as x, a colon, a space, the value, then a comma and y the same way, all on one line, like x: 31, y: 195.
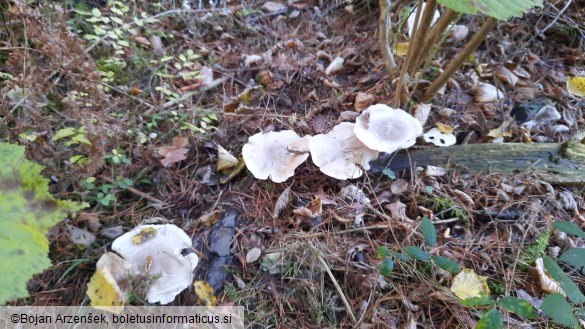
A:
x: 175, y: 152
x: 467, y: 284
x: 363, y: 100
x: 576, y: 86
x: 312, y: 210
x: 253, y: 255
x: 504, y: 130
x: 283, y: 200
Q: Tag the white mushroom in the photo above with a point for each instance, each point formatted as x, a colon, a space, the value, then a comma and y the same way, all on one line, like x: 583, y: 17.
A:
x: 439, y: 138
x: 339, y: 152
x: 156, y: 250
x: 275, y: 154
x: 385, y: 129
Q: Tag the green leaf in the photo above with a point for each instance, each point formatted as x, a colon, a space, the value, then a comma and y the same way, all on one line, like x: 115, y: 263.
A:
x: 492, y: 319
x: 558, y: 309
x: 416, y: 253
x: 81, y: 138
x: 574, y: 257
x: 447, y: 264
x: 569, y: 228
x: 518, y: 306
x: 63, y: 133
x: 96, y: 12
x: 387, y: 267
x: 400, y: 257
x: 27, y: 211
x: 569, y: 287
x: 166, y: 59
x: 389, y: 173
x: 481, y: 300
x: 500, y: 9
x: 382, y: 252
x: 428, y: 231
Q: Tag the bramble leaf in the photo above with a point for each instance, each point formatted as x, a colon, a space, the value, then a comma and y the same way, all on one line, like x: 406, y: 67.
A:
x: 416, y: 253
x: 569, y: 287
x: 492, y: 319
x: 447, y: 264
x: 558, y: 309
x: 27, y: 211
x: 574, y: 257
x: 569, y: 228
x: 519, y: 306
x: 428, y: 231
x: 500, y: 9
x: 387, y: 267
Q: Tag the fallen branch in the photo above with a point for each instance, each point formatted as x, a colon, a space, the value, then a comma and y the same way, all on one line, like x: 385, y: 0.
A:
x: 557, y: 163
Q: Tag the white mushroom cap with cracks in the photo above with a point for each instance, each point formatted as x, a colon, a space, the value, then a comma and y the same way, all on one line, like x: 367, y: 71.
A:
x: 162, y: 255
x: 275, y: 154
x: 338, y: 153
x: 386, y: 129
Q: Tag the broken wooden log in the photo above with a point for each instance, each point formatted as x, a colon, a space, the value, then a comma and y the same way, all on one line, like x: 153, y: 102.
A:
x: 557, y: 163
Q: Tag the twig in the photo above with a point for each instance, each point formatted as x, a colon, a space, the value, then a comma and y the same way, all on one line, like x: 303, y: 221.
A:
x: 351, y: 230
x: 378, y: 212
x: 137, y: 192
x: 335, y: 283
x: 456, y: 63
x: 201, y: 90
x: 122, y: 92
x: 557, y: 17
x: 445, y: 221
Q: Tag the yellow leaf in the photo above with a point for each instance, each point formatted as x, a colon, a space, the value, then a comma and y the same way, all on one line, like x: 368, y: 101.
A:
x: 467, y: 284
x: 145, y: 234
x: 227, y: 174
x: 401, y: 49
x: 445, y: 129
x: 504, y: 130
x: 204, y: 292
x: 225, y: 159
x: 576, y: 86
x: 104, y: 293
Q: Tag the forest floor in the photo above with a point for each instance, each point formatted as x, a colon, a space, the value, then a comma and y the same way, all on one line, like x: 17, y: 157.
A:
x: 261, y: 67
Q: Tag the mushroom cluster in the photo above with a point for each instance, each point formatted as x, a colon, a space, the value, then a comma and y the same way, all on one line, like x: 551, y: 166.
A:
x: 343, y: 153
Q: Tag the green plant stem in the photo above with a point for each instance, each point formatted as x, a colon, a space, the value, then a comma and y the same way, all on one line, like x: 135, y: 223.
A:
x: 398, y: 94
x: 384, y: 27
x: 420, y: 35
x: 434, y: 35
x: 458, y: 61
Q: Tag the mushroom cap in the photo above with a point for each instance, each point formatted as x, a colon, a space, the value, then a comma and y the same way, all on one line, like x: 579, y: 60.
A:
x: 339, y: 152
x: 275, y: 154
x: 161, y: 255
x: 437, y: 137
x: 386, y: 129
